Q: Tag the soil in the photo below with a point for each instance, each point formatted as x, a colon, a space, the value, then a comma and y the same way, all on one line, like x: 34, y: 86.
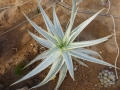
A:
x: 17, y: 46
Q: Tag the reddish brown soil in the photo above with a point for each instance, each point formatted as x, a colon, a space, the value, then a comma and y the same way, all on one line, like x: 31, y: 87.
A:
x: 17, y: 45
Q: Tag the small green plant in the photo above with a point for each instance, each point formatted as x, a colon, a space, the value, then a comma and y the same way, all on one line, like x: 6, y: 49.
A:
x: 37, y: 11
x: 62, y: 48
x: 18, y: 69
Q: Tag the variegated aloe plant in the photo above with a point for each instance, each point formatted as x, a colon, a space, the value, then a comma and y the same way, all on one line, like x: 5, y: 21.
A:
x: 62, y: 48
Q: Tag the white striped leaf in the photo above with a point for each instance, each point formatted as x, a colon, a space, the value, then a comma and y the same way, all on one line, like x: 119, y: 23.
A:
x: 87, y: 43
x: 48, y: 22
x: 73, y: 14
x: 41, y: 31
x: 44, y: 64
x: 89, y: 52
x: 53, y: 71
x: 57, y: 24
x: 80, y: 62
x: 69, y: 63
x: 39, y: 57
x: 78, y: 29
x: 88, y: 58
x: 42, y: 41
x: 63, y: 72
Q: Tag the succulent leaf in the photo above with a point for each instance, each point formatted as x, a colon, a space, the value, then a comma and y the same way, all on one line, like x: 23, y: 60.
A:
x: 61, y: 48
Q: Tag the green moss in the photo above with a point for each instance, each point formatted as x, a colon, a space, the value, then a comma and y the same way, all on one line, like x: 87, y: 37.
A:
x: 37, y: 11
x: 18, y: 69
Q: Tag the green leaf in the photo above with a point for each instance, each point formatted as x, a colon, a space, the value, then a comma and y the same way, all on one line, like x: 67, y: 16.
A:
x: 53, y: 71
x: 69, y: 63
x: 42, y: 41
x: 79, y: 28
x: 87, y: 43
x: 63, y: 72
x: 44, y: 64
x: 41, y: 31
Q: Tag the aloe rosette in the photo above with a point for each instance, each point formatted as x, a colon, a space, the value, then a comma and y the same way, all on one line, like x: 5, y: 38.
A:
x: 61, y: 48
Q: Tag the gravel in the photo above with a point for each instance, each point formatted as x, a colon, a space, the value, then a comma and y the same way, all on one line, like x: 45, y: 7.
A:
x: 106, y: 78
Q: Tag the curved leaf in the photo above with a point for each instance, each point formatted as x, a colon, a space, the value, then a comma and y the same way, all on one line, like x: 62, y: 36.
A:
x: 48, y: 22
x: 42, y: 41
x: 73, y: 14
x: 57, y: 25
x: 63, y: 72
x: 44, y: 64
x: 69, y: 63
x: 78, y: 29
x: 41, y: 31
x: 88, y: 52
x: 53, y: 71
x: 39, y: 57
x: 88, y: 58
x: 80, y: 62
x: 87, y: 43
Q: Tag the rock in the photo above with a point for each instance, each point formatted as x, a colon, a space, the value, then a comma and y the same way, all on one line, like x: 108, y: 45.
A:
x: 103, y: 71
x: 105, y: 74
x: 113, y: 83
x: 100, y: 74
x: 101, y: 80
x: 105, y: 81
x: 107, y: 84
x: 35, y: 50
x: 106, y: 71
x: 112, y: 77
x: 108, y: 80
x: 105, y: 78
x: 98, y: 77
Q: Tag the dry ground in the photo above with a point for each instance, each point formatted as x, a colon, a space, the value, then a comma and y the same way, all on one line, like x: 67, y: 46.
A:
x: 17, y: 45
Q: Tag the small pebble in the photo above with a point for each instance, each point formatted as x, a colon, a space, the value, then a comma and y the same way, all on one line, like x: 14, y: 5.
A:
x: 105, y: 78
x: 113, y: 83
x: 101, y: 80
x: 106, y: 71
x: 103, y: 71
x: 108, y: 80
x: 105, y: 86
x: 105, y: 74
x: 105, y: 82
x: 111, y: 77
x: 100, y: 74
x: 112, y: 73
